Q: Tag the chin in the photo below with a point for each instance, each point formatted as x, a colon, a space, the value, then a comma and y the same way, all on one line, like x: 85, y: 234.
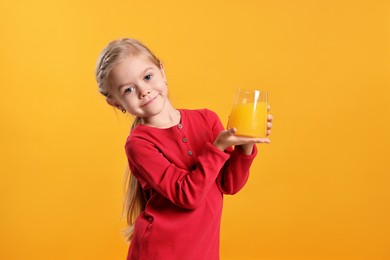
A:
x: 155, y: 109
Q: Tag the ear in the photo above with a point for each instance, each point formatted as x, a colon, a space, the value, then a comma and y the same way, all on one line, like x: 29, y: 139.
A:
x: 113, y: 103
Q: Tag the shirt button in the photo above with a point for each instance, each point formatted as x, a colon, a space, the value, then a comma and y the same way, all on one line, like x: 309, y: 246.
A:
x: 180, y: 126
x: 189, y: 152
x: 184, y: 140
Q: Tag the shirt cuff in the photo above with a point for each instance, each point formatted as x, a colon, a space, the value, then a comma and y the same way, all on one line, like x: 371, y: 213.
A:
x: 239, y: 150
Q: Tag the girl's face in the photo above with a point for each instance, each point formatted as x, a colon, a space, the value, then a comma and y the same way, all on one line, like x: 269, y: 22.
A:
x: 138, y: 86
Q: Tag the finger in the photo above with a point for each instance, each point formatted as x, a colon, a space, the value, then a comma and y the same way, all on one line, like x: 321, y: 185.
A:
x: 264, y: 140
x: 258, y: 140
x: 269, y: 107
x: 269, y: 125
x: 268, y: 132
x: 232, y: 130
x: 270, y: 118
x: 240, y: 140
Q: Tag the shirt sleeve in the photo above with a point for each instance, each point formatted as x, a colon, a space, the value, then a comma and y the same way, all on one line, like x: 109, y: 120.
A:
x: 184, y: 188
x: 235, y: 172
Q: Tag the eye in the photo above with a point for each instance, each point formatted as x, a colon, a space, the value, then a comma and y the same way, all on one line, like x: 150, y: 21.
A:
x: 128, y: 90
x: 148, y: 77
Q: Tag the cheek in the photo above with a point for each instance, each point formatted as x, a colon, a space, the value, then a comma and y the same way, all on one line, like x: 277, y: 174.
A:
x: 164, y: 87
x: 129, y: 101
x: 165, y: 92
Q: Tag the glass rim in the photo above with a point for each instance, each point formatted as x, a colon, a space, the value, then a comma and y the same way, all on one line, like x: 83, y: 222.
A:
x: 252, y: 90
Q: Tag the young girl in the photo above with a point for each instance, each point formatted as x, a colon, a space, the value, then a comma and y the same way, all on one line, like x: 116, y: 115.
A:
x: 181, y: 161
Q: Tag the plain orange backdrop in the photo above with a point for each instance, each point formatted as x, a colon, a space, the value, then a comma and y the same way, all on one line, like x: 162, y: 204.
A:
x: 320, y: 190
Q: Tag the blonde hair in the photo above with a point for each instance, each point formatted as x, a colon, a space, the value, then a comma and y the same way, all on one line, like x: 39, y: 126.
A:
x: 135, y: 200
x: 112, y: 54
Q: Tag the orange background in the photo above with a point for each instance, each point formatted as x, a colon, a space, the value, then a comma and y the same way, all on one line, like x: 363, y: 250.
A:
x: 320, y: 190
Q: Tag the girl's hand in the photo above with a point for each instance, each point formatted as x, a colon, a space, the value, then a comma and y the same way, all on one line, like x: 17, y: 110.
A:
x: 269, y: 122
x: 227, y: 138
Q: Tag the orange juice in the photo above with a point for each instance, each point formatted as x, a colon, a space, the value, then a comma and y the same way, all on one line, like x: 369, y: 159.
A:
x: 249, y: 119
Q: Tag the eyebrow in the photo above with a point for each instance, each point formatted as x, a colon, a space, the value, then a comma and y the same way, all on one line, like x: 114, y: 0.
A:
x: 129, y: 83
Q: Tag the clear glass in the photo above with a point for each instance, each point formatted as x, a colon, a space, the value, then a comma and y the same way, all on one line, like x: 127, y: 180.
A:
x: 249, y: 113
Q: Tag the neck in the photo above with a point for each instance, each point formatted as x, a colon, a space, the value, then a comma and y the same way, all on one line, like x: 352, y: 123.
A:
x: 168, y: 117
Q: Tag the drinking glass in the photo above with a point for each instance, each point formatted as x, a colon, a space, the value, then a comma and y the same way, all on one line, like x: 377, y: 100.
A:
x: 249, y: 113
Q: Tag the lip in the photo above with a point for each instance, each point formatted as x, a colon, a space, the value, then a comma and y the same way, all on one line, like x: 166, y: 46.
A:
x: 149, y: 101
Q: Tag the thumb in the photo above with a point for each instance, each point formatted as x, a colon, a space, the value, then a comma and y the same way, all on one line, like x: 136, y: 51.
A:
x: 232, y: 131
x: 227, y: 133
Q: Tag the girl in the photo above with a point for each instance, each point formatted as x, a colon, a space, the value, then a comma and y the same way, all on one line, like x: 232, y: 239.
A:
x: 181, y: 161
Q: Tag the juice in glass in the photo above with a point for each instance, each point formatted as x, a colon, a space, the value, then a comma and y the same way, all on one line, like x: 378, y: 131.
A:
x: 249, y: 113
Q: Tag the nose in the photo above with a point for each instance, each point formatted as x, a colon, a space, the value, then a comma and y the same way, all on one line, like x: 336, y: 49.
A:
x: 143, y: 92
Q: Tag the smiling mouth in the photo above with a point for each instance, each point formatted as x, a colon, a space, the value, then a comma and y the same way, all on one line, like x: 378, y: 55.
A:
x: 149, y: 101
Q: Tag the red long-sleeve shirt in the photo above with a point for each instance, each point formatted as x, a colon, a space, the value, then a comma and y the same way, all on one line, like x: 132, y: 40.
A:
x: 186, y: 177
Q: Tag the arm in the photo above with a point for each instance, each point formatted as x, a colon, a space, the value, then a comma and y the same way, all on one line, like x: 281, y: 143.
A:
x: 184, y: 188
x: 235, y: 171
